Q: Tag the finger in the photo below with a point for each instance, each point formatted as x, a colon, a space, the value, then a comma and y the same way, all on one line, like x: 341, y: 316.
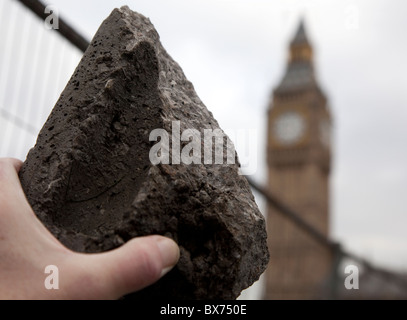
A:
x: 132, y: 267
x: 17, y: 219
x: 9, y: 168
x: 11, y: 191
x: 16, y: 163
x: 10, y: 187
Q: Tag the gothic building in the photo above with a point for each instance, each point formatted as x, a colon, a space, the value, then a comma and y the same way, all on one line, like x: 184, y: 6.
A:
x: 299, y: 163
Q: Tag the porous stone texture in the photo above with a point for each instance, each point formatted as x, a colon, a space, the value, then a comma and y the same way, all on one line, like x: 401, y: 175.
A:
x: 91, y: 182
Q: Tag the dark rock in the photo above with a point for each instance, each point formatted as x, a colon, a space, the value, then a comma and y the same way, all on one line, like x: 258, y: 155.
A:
x: 90, y: 180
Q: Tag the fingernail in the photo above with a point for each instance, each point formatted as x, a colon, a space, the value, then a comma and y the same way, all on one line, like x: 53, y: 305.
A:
x: 169, y: 253
x: 165, y: 271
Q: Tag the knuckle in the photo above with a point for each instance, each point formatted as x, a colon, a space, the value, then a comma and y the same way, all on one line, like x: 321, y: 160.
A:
x: 149, y: 262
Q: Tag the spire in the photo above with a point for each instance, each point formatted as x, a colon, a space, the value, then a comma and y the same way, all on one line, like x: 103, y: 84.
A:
x: 300, y: 36
x: 300, y: 48
x: 300, y: 72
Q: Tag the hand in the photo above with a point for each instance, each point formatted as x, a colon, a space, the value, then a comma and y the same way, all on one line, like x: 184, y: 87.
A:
x: 27, y: 247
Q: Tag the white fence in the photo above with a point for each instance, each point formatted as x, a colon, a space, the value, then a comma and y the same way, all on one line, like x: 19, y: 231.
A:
x: 35, y: 65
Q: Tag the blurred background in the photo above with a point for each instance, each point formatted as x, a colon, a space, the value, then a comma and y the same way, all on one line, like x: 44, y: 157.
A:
x: 235, y: 53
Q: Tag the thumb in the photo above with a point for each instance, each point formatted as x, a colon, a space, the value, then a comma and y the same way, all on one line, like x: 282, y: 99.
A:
x: 135, y: 265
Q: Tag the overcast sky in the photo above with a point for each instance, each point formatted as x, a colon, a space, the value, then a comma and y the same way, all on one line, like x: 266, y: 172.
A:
x: 234, y: 52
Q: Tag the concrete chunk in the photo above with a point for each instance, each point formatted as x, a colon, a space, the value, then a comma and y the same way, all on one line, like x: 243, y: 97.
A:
x: 91, y: 181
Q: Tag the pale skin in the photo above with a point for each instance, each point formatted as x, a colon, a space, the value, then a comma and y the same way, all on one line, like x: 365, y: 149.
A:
x: 27, y: 247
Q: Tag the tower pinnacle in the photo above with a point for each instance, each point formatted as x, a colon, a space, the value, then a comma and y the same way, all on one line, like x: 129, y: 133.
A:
x: 300, y: 36
x: 300, y: 71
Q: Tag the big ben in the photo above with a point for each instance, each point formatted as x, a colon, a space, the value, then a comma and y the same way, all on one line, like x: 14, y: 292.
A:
x: 299, y: 163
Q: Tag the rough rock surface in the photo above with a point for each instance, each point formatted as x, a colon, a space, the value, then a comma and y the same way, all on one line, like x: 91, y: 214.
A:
x: 90, y: 180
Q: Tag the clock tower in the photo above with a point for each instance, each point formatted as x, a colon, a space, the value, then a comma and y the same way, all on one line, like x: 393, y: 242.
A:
x: 299, y: 162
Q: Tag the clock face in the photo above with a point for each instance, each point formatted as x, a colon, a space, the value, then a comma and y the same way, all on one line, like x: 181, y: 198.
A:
x: 325, y: 132
x: 289, y: 127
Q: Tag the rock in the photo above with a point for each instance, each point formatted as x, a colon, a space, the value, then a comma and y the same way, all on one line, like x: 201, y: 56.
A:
x: 90, y: 180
